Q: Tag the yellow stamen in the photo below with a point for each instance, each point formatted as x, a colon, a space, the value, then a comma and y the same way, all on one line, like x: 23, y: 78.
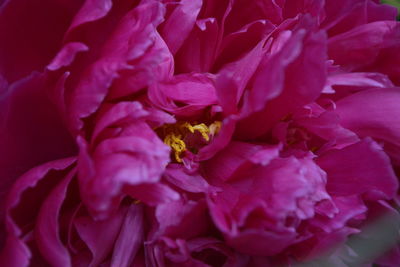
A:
x: 203, y: 130
x: 176, y: 143
x: 215, y: 127
x: 174, y: 134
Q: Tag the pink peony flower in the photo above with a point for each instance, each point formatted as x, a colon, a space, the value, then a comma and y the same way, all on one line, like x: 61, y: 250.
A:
x: 198, y: 132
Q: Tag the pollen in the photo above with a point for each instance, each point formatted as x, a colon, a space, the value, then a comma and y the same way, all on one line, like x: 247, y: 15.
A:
x: 176, y: 134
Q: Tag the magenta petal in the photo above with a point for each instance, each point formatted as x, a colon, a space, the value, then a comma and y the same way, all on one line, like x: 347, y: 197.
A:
x: 30, y: 179
x: 344, y: 15
x: 152, y: 194
x: 130, y: 238
x: 226, y: 162
x: 195, y: 90
x: 136, y: 157
x: 348, y: 207
x: 15, y: 252
x: 292, y: 76
x: 181, y: 219
x: 15, y: 246
x: 99, y: 236
x: 313, y: 7
x: 179, y: 24
x: 199, y: 50
x: 359, y: 168
x: 245, y: 242
x: 356, y: 48
x: 233, y: 78
x: 209, y: 244
x: 90, y: 11
x: 156, y: 64
x: 220, y: 141
x: 380, y: 116
x: 325, y: 124
x: 176, y: 175
x: 127, y: 42
x: 66, y: 56
x: 31, y: 131
x: 47, y: 226
x: 358, y: 79
x: 118, y: 112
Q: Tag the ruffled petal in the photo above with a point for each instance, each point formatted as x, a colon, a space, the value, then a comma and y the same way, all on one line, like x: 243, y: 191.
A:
x: 178, y: 25
x: 356, y: 48
x: 31, y: 131
x: 16, y: 250
x: 292, y: 76
x: 102, y: 244
x: 373, y: 113
x: 66, y: 55
x: 358, y: 169
x: 130, y: 238
x: 47, y: 226
x: 131, y: 39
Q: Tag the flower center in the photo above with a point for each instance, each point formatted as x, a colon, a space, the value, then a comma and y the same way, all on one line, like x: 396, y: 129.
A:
x: 183, y: 136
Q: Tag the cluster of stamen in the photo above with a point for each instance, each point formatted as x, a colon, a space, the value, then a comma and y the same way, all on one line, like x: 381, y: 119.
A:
x: 174, y: 135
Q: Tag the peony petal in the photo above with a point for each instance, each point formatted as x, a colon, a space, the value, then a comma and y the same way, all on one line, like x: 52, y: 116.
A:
x: 152, y: 194
x: 90, y: 11
x: 220, y: 141
x: 66, y: 56
x: 358, y: 79
x: 325, y: 124
x: 199, y: 50
x: 177, y: 176
x: 31, y: 131
x: 99, y: 236
x: 189, y: 89
x: 138, y: 155
x: 348, y: 208
x: 244, y: 12
x: 15, y: 246
x: 259, y: 242
x: 132, y: 37
x: 292, y: 76
x: 47, y: 226
x: 359, y: 168
x: 118, y: 112
x: 233, y: 78
x: 380, y: 117
x: 130, y: 238
x: 237, y: 44
x: 182, y: 219
x: 229, y: 160
x: 357, y: 48
x: 15, y: 252
x: 178, y: 25
x: 157, y: 64
x: 313, y: 7
x: 344, y: 15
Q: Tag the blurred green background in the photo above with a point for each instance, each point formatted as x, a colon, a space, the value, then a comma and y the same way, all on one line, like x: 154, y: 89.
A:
x: 395, y: 3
